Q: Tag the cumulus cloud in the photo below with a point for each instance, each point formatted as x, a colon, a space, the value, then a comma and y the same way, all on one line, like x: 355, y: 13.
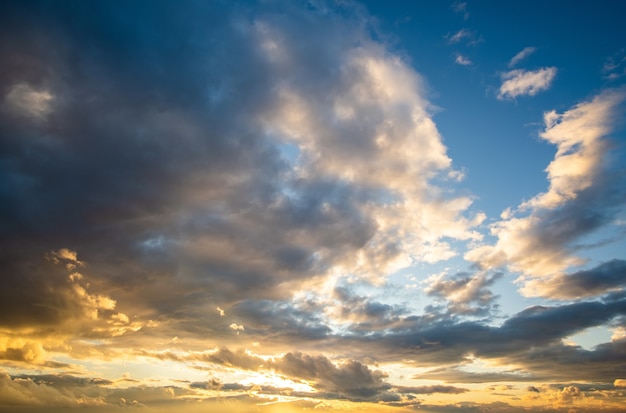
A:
x: 521, y: 82
x: 584, y: 194
x: 523, y: 54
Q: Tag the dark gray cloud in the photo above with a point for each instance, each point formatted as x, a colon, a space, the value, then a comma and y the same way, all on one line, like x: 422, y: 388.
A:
x: 465, y: 293
x: 596, y: 281
x: 530, y: 340
x: 51, y: 391
x: 275, y: 320
x: 456, y: 375
x: 365, y: 313
x: 148, y: 160
x: 213, y: 384
x: 521, y: 340
x: 350, y: 379
x: 432, y: 389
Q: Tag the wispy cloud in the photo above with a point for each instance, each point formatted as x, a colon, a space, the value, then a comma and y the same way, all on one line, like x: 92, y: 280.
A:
x: 462, y: 60
x: 615, y: 66
x: 460, y: 7
x: 29, y: 102
x: 521, y: 82
x: 527, y: 51
x: 464, y: 35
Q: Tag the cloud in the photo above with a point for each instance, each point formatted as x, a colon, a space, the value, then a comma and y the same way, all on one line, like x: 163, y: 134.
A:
x: 238, y: 328
x: 584, y: 194
x: 464, y: 35
x: 599, y: 280
x: 527, y: 51
x: 462, y: 60
x: 433, y: 389
x: 244, y: 166
x: 52, y: 391
x: 22, y: 99
x: 529, y: 340
x: 527, y: 346
x: 465, y: 293
x: 361, y: 313
x: 615, y: 66
x: 521, y: 82
x: 350, y: 379
x: 277, y: 321
x: 460, y: 7
x: 168, y: 182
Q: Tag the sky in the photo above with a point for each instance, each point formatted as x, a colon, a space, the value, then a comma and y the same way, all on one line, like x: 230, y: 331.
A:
x: 295, y: 206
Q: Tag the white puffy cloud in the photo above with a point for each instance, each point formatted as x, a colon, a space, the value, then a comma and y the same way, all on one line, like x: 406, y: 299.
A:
x: 521, y: 82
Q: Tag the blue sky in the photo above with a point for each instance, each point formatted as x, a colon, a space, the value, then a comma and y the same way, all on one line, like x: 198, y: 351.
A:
x: 277, y: 206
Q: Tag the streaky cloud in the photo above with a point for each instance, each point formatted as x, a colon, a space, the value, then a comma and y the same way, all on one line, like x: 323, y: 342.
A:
x: 523, y: 54
x: 521, y: 82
